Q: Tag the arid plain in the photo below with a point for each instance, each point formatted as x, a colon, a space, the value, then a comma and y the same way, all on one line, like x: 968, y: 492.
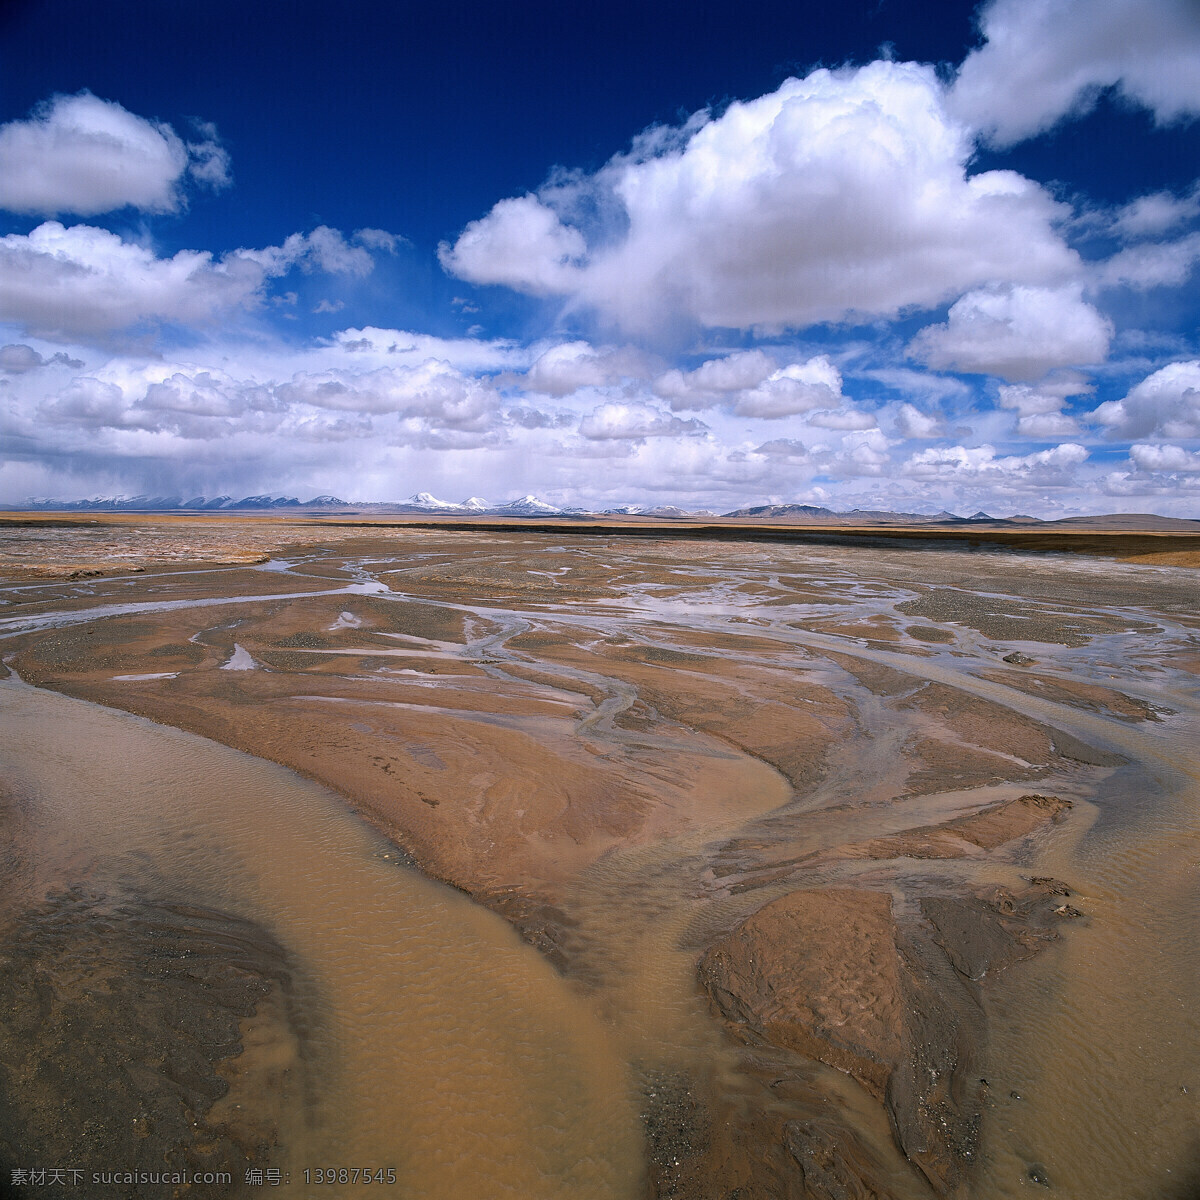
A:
x: 537, y: 863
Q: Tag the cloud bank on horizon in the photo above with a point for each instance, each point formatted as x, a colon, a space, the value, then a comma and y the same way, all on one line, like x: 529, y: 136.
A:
x: 842, y: 291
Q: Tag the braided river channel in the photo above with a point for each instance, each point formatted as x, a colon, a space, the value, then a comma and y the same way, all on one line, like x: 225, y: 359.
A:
x: 437, y: 864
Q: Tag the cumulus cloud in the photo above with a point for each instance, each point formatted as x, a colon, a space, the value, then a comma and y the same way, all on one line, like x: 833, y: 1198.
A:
x: 847, y: 418
x: 1018, y: 333
x: 1165, y: 404
x: 1043, y: 60
x: 181, y: 408
x: 87, y: 401
x: 521, y: 243
x: 749, y: 384
x: 861, y: 454
x: 433, y: 391
x: 83, y: 155
x: 18, y: 359
x: 981, y: 465
x: 1157, y: 457
x: 1039, y: 409
x: 63, y: 283
x: 840, y: 196
x: 913, y: 423
x: 570, y: 366
x: 634, y: 421
x: 1152, y: 215
x: 786, y: 448
x: 60, y: 283
x: 1151, y: 264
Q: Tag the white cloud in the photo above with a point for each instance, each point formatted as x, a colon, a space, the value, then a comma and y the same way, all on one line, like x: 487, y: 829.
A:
x: 634, y: 421
x: 1181, y: 487
x: 137, y: 416
x: 1039, y: 409
x: 60, y: 283
x: 748, y: 384
x: 1151, y: 264
x: 840, y: 196
x: 1164, y: 458
x: 79, y: 281
x: 570, y: 366
x: 1165, y: 404
x: 1047, y: 59
x: 83, y: 155
x: 787, y: 448
x: 1152, y: 215
x: 861, y: 454
x: 522, y: 244
x: 433, y: 391
x: 378, y: 239
x: 209, y: 159
x: 913, y: 423
x: 18, y: 359
x: 388, y: 347
x: 714, y: 380
x: 920, y: 384
x: 842, y: 418
x: 981, y: 465
x: 208, y: 394
x: 1018, y: 333
x: 324, y: 249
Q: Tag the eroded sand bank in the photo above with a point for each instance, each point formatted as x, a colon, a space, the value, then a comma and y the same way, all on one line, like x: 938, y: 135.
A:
x: 875, y: 867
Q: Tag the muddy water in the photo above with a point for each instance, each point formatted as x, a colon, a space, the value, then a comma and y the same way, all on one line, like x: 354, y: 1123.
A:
x: 442, y: 1045
x: 1094, y: 1048
x: 439, y: 1044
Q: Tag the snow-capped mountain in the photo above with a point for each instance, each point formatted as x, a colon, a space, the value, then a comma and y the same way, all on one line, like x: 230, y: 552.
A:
x: 527, y: 506
x: 430, y: 502
x: 177, y: 503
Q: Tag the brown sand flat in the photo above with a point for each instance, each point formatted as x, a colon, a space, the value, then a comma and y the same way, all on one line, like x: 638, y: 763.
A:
x: 595, y: 734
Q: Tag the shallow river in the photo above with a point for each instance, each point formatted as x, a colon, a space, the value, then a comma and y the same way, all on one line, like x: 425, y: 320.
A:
x: 436, y: 1043
x: 444, y: 1047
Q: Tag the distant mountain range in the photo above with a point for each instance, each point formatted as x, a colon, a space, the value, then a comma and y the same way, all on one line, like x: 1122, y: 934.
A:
x: 531, y: 507
x: 422, y: 502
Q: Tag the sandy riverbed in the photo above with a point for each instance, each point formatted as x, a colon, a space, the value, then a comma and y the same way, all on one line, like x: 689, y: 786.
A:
x: 876, y: 866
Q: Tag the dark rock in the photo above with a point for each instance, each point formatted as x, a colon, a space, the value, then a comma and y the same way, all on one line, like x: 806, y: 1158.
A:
x: 1038, y: 1174
x: 829, y: 1165
x: 1018, y: 659
x: 157, y: 992
x: 991, y: 930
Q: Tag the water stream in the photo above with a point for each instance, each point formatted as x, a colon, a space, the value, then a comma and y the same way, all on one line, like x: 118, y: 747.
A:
x: 443, y: 1046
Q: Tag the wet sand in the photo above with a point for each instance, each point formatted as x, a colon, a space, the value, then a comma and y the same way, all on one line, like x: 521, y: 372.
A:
x: 841, y: 870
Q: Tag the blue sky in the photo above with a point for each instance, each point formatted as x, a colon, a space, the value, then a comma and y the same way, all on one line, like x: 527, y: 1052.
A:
x: 902, y: 254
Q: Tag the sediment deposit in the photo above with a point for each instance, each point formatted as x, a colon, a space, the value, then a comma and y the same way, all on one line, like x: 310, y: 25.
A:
x: 851, y: 851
